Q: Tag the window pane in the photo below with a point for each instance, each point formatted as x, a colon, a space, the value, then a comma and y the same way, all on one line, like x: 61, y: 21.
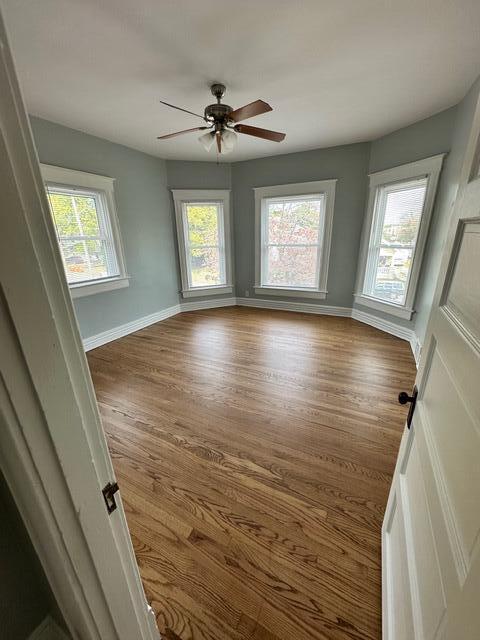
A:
x: 85, y: 259
x: 391, y: 276
x: 84, y: 235
x: 202, y: 223
x: 74, y: 215
x: 205, y: 268
x: 292, y: 266
x: 403, y: 210
x: 293, y: 221
x: 397, y: 217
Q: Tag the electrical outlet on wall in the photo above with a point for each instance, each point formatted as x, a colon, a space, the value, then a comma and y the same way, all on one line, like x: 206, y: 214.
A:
x: 247, y: 293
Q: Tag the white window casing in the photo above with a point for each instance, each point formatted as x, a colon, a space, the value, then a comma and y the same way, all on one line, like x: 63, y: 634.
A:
x: 69, y: 182
x: 322, y: 191
x: 420, y: 175
x: 184, y: 199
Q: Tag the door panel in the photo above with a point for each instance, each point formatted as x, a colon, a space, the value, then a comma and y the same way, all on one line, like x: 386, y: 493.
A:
x: 399, y: 610
x: 429, y: 605
x: 463, y: 295
x: 438, y: 470
x: 456, y: 442
x: 55, y: 436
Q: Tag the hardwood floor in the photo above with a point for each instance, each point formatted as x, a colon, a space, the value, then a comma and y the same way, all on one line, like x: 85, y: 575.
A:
x: 254, y: 451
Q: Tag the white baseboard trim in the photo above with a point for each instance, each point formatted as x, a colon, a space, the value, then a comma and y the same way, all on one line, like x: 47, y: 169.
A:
x: 208, y: 304
x: 416, y: 347
x: 301, y: 307
x: 390, y: 327
x: 48, y: 629
x: 129, y: 327
x: 384, y: 325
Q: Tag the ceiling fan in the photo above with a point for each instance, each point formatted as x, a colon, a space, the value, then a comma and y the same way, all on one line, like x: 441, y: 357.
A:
x: 222, y: 122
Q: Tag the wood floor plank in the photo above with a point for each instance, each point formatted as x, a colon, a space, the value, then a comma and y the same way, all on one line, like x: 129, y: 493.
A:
x: 254, y: 451
x: 253, y: 499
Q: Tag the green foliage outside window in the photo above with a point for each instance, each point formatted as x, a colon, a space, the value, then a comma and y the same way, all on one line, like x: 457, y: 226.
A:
x: 83, y: 251
x: 74, y: 215
x: 203, y: 238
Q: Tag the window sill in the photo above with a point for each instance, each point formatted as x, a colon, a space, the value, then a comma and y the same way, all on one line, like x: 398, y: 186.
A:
x: 382, y: 305
x: 91, y: 288
x: 294, y: 293
x: 207, y: 291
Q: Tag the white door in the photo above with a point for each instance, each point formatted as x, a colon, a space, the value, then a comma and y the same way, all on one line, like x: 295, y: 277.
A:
x: 431, y: 531
x: 52, y: 448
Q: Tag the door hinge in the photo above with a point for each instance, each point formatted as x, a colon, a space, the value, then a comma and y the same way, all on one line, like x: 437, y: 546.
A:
x: 109, y: 492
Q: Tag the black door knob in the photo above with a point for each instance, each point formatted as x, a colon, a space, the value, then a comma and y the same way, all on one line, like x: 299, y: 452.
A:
x: 404, y: 398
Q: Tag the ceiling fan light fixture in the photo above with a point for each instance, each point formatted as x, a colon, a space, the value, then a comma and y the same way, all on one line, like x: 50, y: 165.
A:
x: 224, y: 123
x: 229, y: 140
x: 207, y: 140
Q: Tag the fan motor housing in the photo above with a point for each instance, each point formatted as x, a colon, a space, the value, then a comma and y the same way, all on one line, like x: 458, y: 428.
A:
x: 218, y: 111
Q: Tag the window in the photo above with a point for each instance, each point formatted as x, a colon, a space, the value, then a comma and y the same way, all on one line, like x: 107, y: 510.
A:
x: 399, y: 209
x: 397, y: 216
x: 294, y: 224
x: 83, y: 232
x: 82, y: 209
x: 204, y: 244
x: 203, y: 229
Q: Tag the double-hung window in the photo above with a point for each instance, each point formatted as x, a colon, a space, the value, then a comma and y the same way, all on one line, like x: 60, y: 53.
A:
x: 294, y: 224
x: 398, y: 214
x: 83, y: 212
x: 203, y: 230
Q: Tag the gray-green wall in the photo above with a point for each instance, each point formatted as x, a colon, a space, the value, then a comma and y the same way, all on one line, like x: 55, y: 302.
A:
x: 183, y: 174
x: 145, y: 217
x: 348, y: 164
x: 447, y: 191
x: 426, y: 138
x: 446, y: 132
x: 145, y: 209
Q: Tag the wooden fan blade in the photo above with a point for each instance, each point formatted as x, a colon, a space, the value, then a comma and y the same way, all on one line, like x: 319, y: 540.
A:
x: 274, y: 136
x: 249, y: 110
x: 218, y: 136
x: 179, y: 133
x: 180, y: 109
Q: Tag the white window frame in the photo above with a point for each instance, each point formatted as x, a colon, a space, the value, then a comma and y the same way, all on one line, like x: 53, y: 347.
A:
x: 429, y: 168
x: 326, y: 188
x: 80, y: 180
x: 195, y: 196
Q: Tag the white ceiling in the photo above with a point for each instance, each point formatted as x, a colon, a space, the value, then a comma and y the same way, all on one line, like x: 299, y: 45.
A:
x: 334, y: 71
